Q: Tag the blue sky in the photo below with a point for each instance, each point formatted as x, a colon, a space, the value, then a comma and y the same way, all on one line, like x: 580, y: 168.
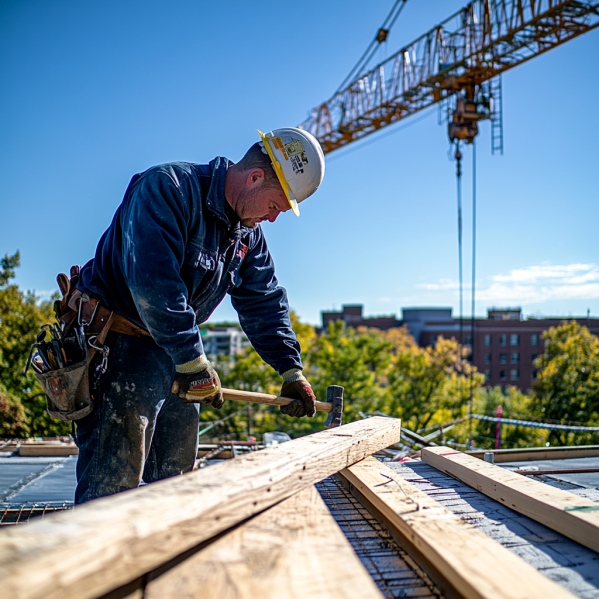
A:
x: 93, y: 92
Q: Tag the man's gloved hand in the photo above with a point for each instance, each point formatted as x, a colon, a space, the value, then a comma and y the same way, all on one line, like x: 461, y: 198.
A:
x: 296, y: 387
x: 199, y: 380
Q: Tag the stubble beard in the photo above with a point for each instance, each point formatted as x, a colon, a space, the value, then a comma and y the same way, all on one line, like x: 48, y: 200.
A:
x: 245, y: 206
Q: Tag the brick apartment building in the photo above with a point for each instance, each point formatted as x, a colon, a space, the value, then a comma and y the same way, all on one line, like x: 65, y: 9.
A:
x: 505, y: 345
x: 351, y: 315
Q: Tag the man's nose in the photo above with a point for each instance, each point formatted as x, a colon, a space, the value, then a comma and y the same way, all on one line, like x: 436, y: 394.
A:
x: 272, y: 215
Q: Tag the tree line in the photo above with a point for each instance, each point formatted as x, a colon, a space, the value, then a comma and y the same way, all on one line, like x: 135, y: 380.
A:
x: 382, y: 372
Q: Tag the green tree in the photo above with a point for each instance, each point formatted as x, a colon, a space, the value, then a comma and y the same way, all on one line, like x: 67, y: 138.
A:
x: 516, y: 405
x: 355, y: 359
x: 245, y: 372
x: 431, y: 385
x: 22, y: 401
x: 248, y: 372
x: 567, y: 388
x: 8, y: 264
x: 13, y: 419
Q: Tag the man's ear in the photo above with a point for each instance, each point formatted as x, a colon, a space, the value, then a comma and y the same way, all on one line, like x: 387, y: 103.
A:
x: 254, y: 178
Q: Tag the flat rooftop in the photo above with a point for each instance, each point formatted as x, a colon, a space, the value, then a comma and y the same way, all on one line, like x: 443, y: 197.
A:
x: 36, y: 486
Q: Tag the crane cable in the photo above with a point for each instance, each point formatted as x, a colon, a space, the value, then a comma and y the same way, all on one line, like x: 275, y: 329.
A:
x: 458, y: 173
x: 473, y: 296
x: 381, y: 36
x: 458, y: 158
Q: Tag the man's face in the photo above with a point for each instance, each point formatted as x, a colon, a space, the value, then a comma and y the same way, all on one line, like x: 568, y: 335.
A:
x: 256, y: 204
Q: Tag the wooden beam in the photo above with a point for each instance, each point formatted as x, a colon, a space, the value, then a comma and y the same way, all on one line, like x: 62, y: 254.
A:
x: 294, y: 549
x: 47, y: 450
x: 538, y: 453
x: 221, y: 454
x: 108, y: 542
x: 462, y: 560
x: 564, y: 512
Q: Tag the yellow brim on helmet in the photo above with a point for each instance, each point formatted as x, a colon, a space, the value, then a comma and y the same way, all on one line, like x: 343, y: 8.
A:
x: 280, y: 175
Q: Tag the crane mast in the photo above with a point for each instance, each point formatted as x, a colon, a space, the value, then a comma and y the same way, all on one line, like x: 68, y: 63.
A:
x: 457, y: 61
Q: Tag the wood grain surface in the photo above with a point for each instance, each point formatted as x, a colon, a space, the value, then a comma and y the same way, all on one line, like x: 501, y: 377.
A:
x: 460, y: 558
x: 294, y: 550
x: 109, y: 542
x: 575, y: 517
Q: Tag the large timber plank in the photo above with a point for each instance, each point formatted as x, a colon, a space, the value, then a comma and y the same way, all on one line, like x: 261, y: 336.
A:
x: 109, y: 542
x: 461, y: 559
x: 293, y: 550
x: 564, y: 512
x: 538, y: 453
x: 43, y: 450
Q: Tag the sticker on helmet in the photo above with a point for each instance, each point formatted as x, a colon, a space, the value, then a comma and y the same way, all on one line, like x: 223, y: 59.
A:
x: 297, y: 154
x: 278, y: 144
x: 294, y: 147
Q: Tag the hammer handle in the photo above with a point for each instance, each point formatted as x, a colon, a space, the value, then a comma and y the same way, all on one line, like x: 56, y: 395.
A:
x: 273, y: 400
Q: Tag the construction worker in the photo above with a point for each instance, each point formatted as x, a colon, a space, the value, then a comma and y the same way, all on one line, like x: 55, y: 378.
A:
x: 183, y: 237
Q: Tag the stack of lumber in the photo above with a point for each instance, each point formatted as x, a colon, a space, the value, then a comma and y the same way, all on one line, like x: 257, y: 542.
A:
x: 538, y: 453
x: 574, y: 517
x: 47, y: 449
x: 257, y: 527
x: 128, y: 542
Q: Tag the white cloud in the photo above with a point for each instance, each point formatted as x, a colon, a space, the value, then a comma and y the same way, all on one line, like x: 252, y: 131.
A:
x: 569, y: 273
x: 526, y: 294
x: 533, y: 284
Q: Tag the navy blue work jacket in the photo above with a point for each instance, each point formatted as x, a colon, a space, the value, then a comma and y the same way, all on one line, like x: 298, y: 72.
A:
x: 172, y: 253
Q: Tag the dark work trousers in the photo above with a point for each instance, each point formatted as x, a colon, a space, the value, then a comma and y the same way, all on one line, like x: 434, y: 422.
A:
x: 138, y: 429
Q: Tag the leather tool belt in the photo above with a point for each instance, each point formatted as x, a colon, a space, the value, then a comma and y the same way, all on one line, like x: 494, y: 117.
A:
x: 93, y: 316
x: 62, y: 364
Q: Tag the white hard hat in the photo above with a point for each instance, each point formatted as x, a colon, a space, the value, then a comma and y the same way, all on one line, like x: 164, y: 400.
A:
x: 298, y: 161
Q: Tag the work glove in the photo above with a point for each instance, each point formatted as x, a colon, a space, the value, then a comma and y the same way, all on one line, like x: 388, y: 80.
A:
x: 198, y: 380
x: 296, y: 387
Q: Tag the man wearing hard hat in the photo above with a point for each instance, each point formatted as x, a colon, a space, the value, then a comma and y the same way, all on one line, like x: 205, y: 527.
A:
x: 183, y: 237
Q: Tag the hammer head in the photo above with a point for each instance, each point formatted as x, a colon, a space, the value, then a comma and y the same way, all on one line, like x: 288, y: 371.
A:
x: 335, y: 398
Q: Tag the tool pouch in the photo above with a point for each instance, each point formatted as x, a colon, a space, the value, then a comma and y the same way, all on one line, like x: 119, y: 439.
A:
x: 67, y: 390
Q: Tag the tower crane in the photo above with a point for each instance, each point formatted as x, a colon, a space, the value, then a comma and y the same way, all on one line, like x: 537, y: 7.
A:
x: 458, y: 62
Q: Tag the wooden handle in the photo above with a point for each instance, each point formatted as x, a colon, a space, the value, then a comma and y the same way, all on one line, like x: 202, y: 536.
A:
x: 273, y: 400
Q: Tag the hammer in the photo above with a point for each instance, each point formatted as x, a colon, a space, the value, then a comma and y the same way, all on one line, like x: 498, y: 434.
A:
x: 334, y: 405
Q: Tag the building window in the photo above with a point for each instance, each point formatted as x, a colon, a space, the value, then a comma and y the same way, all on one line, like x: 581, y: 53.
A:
x: 502, y: 375
x: 433, y: 340
x: 535, y: 374
x: 534, y: 339
x: 533, y: 357
x: 502, y: 340
x: 514, y: 374
x: 514, y: 339
x: 487, y: 358
x: 488, y: 340
x: 487, y: 375
x: 514, y: 357
x: 468, y: 340
x: 503, y: 358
